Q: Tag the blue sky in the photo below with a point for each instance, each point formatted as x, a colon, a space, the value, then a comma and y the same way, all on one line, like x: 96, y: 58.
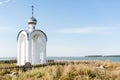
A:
x: 73, y: 27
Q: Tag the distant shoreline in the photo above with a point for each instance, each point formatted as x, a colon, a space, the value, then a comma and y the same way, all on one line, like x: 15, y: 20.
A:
x: 114, y: 58
x: 76, y: 56
x: 103, y: 56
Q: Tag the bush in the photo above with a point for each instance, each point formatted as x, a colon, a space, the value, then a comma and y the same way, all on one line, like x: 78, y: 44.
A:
x: 4, y: 72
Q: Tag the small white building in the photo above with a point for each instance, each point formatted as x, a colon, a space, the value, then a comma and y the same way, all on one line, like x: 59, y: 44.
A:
x: 31, y: 44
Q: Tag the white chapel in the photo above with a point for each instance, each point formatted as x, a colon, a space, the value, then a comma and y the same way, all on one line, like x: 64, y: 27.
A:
x: 31, y: 44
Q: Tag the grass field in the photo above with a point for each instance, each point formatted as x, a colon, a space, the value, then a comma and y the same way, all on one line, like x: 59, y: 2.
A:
x: 71, y: 71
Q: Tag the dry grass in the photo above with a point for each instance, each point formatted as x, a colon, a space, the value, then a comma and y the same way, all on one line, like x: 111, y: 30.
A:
x: 7, y: 64
x: 76, y: 71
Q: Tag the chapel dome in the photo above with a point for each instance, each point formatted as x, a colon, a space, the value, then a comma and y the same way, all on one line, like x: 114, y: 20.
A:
x: 32, y: 20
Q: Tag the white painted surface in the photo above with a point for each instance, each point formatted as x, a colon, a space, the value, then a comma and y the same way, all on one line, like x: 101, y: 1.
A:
x: 31, y: 46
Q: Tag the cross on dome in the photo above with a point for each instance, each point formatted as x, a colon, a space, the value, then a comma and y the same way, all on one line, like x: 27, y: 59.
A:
x: 32, y: 10
x: 32, y: 21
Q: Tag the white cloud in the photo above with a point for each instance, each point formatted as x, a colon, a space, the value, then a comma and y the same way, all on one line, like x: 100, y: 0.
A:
x: 8, y: 49
x: 8, y: 29
x: 79, y: 51
x: 6, y: 1
x: 87, y: 30
x: 3, y: 2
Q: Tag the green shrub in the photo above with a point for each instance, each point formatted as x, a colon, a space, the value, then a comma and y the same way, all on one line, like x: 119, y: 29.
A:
x: 4, y: 72
x: 8, y: 78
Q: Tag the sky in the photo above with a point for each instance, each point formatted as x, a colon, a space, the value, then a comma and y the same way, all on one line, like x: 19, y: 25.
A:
x: 73, y: 27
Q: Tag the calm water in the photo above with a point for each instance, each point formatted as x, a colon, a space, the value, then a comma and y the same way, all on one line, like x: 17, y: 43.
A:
x: 115, y: 59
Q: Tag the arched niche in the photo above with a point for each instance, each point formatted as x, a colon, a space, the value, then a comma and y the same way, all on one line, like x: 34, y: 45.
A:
x: 38, y: 40
x: 22, y: 38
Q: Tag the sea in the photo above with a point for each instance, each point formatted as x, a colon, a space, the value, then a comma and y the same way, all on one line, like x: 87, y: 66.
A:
x: 113, y: 59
